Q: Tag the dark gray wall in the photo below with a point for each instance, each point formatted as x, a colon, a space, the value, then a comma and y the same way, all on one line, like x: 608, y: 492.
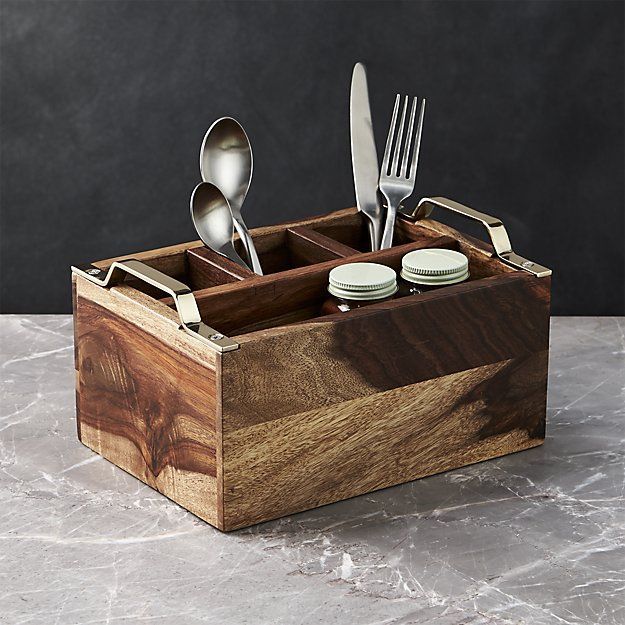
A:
x: 104, y: 105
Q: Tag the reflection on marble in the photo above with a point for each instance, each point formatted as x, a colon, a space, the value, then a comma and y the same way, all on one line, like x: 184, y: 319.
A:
x: 536, y: 538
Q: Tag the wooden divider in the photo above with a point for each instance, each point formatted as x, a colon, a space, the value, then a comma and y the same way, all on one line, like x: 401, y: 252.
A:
x: 207, y: 268
x: 309, y: 247
x: 289, y: 296
x: 297, y: 259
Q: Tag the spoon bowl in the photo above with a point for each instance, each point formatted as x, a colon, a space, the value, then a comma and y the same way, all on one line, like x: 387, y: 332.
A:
x: 212, y: 218
x: 226, y: 161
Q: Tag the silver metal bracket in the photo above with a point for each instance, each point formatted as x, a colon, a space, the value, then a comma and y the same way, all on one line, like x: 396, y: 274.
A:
x: 190, y: 320
x: 496, y: 231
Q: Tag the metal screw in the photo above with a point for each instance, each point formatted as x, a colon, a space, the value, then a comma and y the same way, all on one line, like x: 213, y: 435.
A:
x: 527, y: 264
x: 216, y: 337
x: 93, y: 272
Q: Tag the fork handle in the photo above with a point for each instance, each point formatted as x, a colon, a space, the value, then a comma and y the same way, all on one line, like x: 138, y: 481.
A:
x: 389, y: 225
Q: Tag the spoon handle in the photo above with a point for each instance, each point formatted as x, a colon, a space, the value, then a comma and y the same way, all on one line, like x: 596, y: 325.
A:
x: 248, y: 243
x: 230, y: 252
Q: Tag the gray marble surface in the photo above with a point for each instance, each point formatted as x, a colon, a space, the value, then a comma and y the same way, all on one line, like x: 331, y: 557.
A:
x: 537, y: 537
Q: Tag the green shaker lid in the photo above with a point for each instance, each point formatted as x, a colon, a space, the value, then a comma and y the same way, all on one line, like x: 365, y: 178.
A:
x: 362, y: 281
x: 435, y: 267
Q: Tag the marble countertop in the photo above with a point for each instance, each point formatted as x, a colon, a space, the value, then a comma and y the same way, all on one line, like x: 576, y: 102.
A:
x: 537, y: 537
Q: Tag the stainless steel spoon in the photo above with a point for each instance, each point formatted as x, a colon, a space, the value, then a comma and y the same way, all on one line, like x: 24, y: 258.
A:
x: 213, y: 221
x: 226, y: 161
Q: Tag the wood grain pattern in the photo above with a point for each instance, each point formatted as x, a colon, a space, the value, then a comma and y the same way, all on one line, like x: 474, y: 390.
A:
x: 344, y: 449
x: 151, y: 315
x: 134, y: 409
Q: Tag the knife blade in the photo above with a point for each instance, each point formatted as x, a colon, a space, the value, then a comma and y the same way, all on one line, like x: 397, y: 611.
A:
x: 365, y: 164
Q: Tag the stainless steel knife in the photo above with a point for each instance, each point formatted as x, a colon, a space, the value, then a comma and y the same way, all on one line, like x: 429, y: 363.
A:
x: 364, y: 155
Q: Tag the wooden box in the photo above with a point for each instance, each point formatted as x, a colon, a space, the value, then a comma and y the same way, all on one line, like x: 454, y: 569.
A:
x: 274, y: 409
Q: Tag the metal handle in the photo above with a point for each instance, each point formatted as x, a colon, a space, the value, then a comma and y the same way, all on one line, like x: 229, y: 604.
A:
x: 190, y: 320
x: 496, y: 231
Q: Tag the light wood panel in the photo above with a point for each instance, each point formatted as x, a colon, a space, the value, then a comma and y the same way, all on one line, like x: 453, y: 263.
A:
x: 304, y: 460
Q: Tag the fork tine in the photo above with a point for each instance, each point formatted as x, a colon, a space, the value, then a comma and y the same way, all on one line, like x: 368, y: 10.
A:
x: 405, y: 162
x: 400, y: 136
x: 389, y: 140
x: 415, y: 157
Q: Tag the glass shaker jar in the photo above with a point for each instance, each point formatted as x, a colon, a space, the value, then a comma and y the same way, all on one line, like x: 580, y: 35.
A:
x: 355, y: 285
x: 428, y: 269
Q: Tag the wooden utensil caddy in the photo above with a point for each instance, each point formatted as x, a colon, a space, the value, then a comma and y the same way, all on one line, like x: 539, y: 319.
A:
x: 265, y: 408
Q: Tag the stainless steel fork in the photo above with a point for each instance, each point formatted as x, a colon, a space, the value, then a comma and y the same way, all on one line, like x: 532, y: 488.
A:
x: 398, y: 175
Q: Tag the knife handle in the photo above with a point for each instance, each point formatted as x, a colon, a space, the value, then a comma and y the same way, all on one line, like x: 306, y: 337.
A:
x: 375, y: 232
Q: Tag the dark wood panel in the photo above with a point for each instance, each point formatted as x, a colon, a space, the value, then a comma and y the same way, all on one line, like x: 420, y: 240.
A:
x: 344, y: 356
x: 351, y: 230
x: 208, y: 269
x: 147, y: 406
x: 308, y: 246
x: 272, y: 249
